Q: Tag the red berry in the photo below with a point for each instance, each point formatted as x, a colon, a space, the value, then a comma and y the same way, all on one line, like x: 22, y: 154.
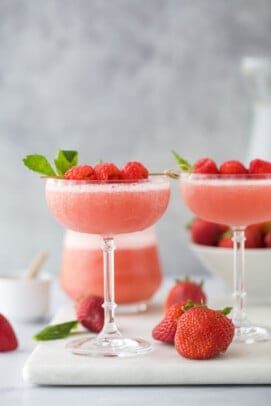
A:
x: 80, y: 172
x: 203, y: 333
x: 225, y: 242
x: 259, y: 166
x: 254, y: 237
x: 8, y: 339
x: 205, y: 165
x: 183, y: 291
x: 166, y: 329
x: 267, y: 239
x: 232, y: 168
x: 90, y: 313
x: 204, y: 233
x: 134, y: 171
x: 107, y: 171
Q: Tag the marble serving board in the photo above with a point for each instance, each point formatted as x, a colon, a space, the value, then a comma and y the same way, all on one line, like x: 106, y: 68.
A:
x: 51, y: 364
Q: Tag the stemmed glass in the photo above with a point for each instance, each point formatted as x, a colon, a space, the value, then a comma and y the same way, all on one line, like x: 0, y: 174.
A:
x: 236, y: 201
x: 108, y: 209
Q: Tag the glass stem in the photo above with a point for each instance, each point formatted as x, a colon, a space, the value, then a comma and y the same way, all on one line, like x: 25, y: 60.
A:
x: 109, y: 305
x: 239, y: 293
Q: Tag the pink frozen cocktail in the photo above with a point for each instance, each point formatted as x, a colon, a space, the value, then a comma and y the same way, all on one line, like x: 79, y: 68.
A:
x: 138, y: 272
x: 237, y: 201
x: 108, y: 209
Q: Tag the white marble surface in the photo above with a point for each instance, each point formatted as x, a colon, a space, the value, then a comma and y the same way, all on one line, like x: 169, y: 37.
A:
x: 13, y: 391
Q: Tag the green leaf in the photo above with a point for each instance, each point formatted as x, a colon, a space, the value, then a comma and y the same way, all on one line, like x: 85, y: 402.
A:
x: 226, y: 310
x: 184, y: 165
x: 56, y: 331
x: 65, y: 160
x: 38, y: 163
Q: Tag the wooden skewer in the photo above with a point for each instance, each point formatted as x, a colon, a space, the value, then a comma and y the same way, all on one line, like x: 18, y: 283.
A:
x: 35, y: 265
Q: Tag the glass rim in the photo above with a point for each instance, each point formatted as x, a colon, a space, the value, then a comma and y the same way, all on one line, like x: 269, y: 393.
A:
x: 218, y: 176
x: 150, y: 179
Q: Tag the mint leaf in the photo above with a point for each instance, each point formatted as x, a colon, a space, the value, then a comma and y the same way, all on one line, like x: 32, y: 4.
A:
x: 65, y: 160
x: 55, y: 331
x: 38, y: 163
x: 184, y: 165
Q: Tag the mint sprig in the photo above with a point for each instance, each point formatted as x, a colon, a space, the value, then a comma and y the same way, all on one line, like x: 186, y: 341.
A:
x: 64, y: 160
x: 183, y: 164
x: 56, y: 331
x: 38, y: 163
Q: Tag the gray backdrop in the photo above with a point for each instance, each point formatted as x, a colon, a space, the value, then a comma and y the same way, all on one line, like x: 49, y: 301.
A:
x: 119, y: 80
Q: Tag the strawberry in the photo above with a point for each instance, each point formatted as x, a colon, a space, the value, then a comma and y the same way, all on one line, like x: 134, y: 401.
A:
x: 259, y: 166
x: 203, y: 333
x: 80, y: 172
x: 204, y: 233
x: 205, y: 165
x: 8, y: 339
x: 232, y: 168
x: 107, y: 171
x: 166, y: 329
x: 225, y: 242
x: 134, y: 171
x: 183, y: 291
x: 90, y: 313
x: 267, y: 239
x: 254, y: 237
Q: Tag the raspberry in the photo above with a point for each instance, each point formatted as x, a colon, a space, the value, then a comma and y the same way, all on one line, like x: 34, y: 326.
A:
x: 205, y: 165
x: 90, y: 313
x: 134, y: 171
x: 80, y: 172
x: 232, y: 168
x: 107, y: 171
x: 259, y: 166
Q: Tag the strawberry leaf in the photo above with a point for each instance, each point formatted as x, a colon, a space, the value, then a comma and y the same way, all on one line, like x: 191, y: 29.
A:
x: 226, y: 311
x: 56, y: 331
x: 38, y: 163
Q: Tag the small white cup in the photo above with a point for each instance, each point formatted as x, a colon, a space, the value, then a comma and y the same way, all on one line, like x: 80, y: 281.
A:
x: 24, y: 299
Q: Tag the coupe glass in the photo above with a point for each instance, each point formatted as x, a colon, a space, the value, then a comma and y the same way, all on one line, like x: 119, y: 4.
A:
x: 236, y: 201
x: 108, y: 209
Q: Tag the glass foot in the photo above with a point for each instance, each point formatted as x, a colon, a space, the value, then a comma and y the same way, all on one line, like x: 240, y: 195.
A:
x: 109, y: 347
x: 251, y: 334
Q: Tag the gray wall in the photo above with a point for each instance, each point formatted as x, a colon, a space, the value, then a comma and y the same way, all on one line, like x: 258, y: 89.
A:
x: 119, y: 80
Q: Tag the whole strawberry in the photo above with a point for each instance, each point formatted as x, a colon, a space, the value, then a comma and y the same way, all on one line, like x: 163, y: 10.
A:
x: 203, y: 333
x: 185, y: 290
x: 90, y: 313
x: 8, y: 339
x: 204, y: 232
x: 166, y: 329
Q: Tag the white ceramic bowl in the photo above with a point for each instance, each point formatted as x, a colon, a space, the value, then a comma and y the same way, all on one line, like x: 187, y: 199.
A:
x: 24, y: 299
x: 219, y: 262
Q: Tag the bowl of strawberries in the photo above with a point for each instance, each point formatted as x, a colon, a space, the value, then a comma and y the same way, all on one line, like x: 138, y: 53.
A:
x: 212, y: 244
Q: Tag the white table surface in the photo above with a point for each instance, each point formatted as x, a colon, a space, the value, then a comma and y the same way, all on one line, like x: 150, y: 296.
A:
x: 14, y: 391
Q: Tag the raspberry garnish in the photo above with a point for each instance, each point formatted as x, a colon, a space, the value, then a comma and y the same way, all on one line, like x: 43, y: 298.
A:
x: 107, y: 171
x: 134, y: 171
x: 232, y: 168
x: 80, y: 172
x: 205, y: 165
